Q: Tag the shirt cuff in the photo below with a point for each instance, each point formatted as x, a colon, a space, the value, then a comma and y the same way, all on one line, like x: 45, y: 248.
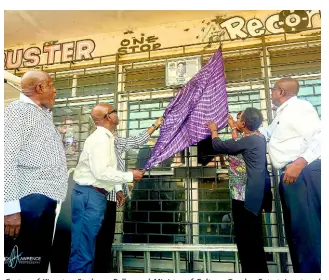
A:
x: 309, y: 156
x: 128, y: 177
x: 12, y: 207
x: 118, y: 188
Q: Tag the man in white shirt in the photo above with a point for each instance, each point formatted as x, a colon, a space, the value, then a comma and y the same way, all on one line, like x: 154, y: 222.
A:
x: 97, y: 176
x: 295, y: 149
x: 117, y: 198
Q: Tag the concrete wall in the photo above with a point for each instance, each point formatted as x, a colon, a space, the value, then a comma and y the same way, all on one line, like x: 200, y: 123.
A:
x: 230, y: 28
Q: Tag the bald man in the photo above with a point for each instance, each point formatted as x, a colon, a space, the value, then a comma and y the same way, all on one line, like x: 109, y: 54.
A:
x: 100, y: 177
x: 295, y: 149
x: 35, y: 175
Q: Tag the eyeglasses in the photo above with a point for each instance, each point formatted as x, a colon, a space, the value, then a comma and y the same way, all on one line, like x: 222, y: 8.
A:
x: 276, y: 88
x: 109, y: 113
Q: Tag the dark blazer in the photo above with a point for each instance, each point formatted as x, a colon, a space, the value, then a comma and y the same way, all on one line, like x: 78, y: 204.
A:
x: 253, y: 149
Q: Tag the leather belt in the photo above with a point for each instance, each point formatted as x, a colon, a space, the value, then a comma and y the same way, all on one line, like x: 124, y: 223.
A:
x: 101, y: 190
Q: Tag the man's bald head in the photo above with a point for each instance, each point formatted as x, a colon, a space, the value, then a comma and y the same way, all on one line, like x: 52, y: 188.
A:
x: 31, y: 79
x: 283, y: 90
x: 104, y: 115
x: 99, y: 111
x: 39, y: 87
x: 289, y: 85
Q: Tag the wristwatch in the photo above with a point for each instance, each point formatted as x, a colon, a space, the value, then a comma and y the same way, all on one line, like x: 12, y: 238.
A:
x: 231, y: 129
x: 154, y: 126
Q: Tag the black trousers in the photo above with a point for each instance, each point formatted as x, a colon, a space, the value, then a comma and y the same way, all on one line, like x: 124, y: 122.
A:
x: 301, y: 206
x: 249, y: 239
x: 104, y: 240
x: 31, y: 250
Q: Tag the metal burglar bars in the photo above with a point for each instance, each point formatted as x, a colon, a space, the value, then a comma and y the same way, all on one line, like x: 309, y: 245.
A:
x: 178, y: 218
x: 176, y: 249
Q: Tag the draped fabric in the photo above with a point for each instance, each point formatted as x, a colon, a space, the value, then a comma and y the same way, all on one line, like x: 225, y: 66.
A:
x: 202, y: 99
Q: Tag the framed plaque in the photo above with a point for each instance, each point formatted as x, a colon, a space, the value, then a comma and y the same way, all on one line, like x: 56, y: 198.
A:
x: 180, y: 71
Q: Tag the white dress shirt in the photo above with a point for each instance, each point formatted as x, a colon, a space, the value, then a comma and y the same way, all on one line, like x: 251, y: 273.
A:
x: 295, y: 132
x: 34, y: 156
x: 98, y: 163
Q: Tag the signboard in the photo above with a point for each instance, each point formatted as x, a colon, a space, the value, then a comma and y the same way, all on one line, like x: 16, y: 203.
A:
x: 68, y: 52
x: 180, y: 71
x: 157, y: 40
x: 141, y: 44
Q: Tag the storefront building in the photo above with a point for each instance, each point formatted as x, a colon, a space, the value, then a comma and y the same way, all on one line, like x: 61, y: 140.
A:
x: 179, y: 201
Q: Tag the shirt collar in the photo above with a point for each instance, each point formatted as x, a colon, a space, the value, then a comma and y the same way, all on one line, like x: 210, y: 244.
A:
x: 104, y: 130
x: 285, y: 104
x: 26, y: 99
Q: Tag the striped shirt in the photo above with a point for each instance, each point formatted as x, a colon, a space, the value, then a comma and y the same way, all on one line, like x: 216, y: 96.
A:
x: 123, y: 145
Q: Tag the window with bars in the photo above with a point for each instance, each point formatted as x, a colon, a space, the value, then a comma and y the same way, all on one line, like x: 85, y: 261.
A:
x: 238, y: 67
x: 86, y: 84
x: 146, y: 78
x: 295, y: 61
x: 310, y: 90
x: 96, y: 84
x: 241, y: 67
x: 157, y: 212
x: 76, y: 116
x: 63, y: 86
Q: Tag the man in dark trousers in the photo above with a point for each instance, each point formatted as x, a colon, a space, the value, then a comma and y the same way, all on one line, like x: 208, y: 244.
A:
x: 35, y: 175
x: 295, y: 149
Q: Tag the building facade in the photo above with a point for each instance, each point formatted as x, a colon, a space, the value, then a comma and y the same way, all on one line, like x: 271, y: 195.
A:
x: 179, y: 201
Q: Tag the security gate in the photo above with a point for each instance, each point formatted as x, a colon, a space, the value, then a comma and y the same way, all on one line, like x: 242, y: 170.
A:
x: 183, y: 200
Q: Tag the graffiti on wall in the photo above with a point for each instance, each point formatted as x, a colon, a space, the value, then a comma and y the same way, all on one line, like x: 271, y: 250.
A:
x: 68, y: 52
x: 140, y: 44
x: 237, y: 27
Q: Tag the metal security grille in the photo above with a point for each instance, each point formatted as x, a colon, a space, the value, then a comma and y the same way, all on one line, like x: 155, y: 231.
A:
x: 144, y: 78
x: 295, y: 60
x: 178, y: 209
x: 180, y: 201
x: 242, y: 65
x: 75, y: 113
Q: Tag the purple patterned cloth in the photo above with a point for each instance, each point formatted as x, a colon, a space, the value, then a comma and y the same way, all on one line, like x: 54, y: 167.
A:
x: 202, y: 99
